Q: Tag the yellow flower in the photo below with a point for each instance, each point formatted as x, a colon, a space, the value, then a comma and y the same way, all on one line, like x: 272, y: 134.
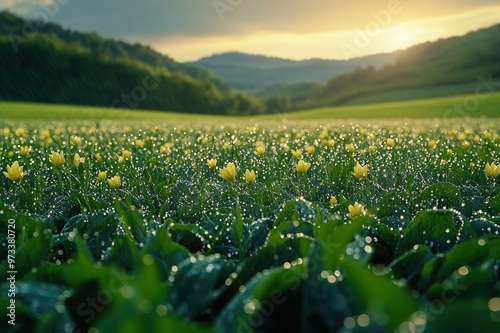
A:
x: 390, y: 142
x: 350, y: 148
x: 14, y: 172
x: 115, y: 182
x: 212, y: 163
x: 297, y: 153
x: 360, y: 171
x: 492, y: 170
x: 333, y: 201
x: 432, y: 143
x: 302, y: 166
x: 372, y: 148
x: 126, y: 154
x: 260, y: 150
x: 7, y: 131
x: 98, y: 157
x: 449, y: 152
x: 76, y: 140
x: 102, y: 175
x: 330, y: 143
x: 465, y: 144
x: 356, y: 210
x: 10, y: 154
x: 20, y: 132
x: 250, y: 176
x: 57, y: 158
x: 310, y: 149
x: 323, y: 135
x: 487, y: 135
x: 139, y: 143
x: 228, y: 172
x: 24, y: 150
x: 77, y: 160
x: 462, y: 137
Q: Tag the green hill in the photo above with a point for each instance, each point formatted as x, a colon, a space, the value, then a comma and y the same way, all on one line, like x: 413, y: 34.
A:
x: 452, y: 66
x: 253, y: 72
x: 54, y: 65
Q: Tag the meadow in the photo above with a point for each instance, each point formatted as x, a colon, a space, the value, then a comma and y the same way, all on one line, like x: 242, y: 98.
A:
x: 220, y: 224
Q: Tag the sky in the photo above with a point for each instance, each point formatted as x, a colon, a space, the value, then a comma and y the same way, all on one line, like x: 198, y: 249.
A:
x: 187, y: 30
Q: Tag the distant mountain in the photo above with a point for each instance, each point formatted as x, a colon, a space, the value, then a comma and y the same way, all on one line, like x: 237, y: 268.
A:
x: 42, y: 62
x: 456, y: 65
x: 252, y: 72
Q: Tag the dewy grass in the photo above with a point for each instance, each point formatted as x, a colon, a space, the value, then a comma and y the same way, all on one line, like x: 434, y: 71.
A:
x: 239, y: 226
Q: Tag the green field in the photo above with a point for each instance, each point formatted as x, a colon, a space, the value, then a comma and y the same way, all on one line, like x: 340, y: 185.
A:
x: 164, y: 222
x: 469, y: 106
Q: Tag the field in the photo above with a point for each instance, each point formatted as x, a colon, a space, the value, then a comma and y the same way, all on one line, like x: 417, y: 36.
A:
x: 203, y: 224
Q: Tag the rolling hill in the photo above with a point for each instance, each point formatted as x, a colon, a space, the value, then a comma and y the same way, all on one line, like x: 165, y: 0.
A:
x: 253, y: 72
x: 451, y: 66
x: 46, y: 63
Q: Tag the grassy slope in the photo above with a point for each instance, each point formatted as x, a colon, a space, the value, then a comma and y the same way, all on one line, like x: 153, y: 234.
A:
x: 489, y: 106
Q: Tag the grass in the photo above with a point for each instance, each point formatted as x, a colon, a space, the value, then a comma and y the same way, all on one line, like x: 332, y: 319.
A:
x: 134, y: 230
x: 444, y: 107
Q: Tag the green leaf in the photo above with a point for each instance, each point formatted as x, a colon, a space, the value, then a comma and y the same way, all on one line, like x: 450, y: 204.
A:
x: 378, y: 296
x: 270, y: 302
x: 442, y: 195
x: 333, y: 239
x: 435, y: 228
x: 494, y: 203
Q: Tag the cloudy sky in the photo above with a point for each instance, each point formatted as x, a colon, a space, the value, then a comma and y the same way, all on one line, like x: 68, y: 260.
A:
x: 190, y: 29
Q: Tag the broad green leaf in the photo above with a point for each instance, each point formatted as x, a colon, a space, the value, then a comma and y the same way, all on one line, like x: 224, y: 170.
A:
x: 435, y: 228
x: 377, y: 295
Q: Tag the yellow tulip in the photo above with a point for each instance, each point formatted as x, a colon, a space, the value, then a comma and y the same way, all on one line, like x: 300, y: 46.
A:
x: 372, y: 149
x: 14, y: 172
x: 228, y: 172
x: 139, y: 143
x: 360, y: 171
x: 7, y: 131
x: 98, y: 157
x: 77, y: 160
x: 492, y: 170
x: 302, y: 166
x: 310, y: 149
x: 212, y: 163
x: 76, y: 140
x: 115, y: 182
x: 297, y: 153
x: 390, y: 142
x: 356, y: 210
x: 330, y: 143
x: 323, y: 135
x: 250, y: 176
x: 350, y: 148
x: 57, y: 158
x: 333, y: 201
x: 260, y: 150
x: 20, y: 132
x: 24, y: 150
x: 432, y: 143
x: 126, y: 154
x: 102, y: 175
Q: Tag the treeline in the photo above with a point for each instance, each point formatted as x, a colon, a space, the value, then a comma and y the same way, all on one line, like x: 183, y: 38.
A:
x: 54, y: 65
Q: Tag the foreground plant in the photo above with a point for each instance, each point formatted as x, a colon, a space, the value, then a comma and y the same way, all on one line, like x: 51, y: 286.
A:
x: 492, y: 170
x: 228, y: 172
x: 360, y: 171
x: 57, y: 158
x: 14, y: 172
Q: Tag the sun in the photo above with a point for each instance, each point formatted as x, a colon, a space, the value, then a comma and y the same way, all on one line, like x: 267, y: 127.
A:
x: 399, y: 37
